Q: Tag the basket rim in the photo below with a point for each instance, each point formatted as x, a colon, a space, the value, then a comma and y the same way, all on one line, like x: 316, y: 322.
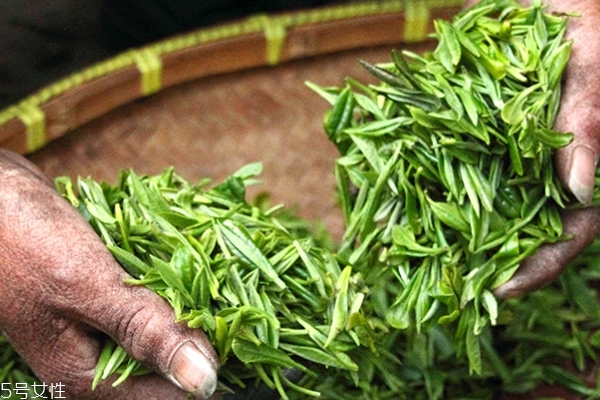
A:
x: 50, y: 112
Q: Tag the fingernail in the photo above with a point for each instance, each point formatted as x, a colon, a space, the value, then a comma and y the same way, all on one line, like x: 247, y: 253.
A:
x: 193, y: 371
x: 506, y: 291
x: 581, y: 175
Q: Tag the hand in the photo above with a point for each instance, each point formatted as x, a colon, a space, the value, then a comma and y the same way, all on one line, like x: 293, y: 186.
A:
x: 61, y: 292
x: 579, y: 113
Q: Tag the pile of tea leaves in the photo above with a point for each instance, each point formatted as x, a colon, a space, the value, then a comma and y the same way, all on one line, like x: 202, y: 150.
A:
x: 168, y: 234
x: 268, y: 294
x: 446, y: 174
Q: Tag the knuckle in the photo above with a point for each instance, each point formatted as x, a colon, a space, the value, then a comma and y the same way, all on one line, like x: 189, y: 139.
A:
x: 141, y: 334
x: 67, y: 367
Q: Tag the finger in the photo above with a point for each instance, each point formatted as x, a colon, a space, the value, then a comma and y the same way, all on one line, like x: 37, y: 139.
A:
x: 138, y: 320
x: 15, y: 162
x: 550, y: 260
x: 576, y: 163
x: 580, y: 103
x: 68, y: 358
x: 579, y: 111
x: 57, y: 264
x: 86, y: 285
x: 143, y: 324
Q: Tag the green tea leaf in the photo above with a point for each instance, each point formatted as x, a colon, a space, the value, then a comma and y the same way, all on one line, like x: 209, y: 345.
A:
x: 243, y: 247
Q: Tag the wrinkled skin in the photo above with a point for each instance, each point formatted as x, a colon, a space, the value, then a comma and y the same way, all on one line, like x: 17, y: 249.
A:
x: 579, y: 113
x: 61, y: 293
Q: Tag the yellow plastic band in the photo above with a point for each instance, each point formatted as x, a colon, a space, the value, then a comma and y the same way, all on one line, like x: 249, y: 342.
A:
x: 35, y: 122
x: 416, y: 21
x: 150, y: 67
x: 275, y: 32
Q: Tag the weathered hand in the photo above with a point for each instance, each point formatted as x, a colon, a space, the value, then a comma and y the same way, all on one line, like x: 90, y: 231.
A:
x: 579, y: 113
x: 61, y: 293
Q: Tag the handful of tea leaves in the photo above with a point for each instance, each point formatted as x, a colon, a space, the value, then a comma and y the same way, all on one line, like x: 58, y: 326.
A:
x: 253, y: 280
x: 445, y: 175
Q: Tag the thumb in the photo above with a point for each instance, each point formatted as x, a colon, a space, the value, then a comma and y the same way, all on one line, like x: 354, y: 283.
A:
x: 56, y: 271
x: 579, y: 111
x: 550, y: 260
x: 143, y: 324
x: 139, y: 320
x: 576, y: 163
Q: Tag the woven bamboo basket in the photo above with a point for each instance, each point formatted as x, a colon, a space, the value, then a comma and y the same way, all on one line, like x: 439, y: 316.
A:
x: 212, y: 100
